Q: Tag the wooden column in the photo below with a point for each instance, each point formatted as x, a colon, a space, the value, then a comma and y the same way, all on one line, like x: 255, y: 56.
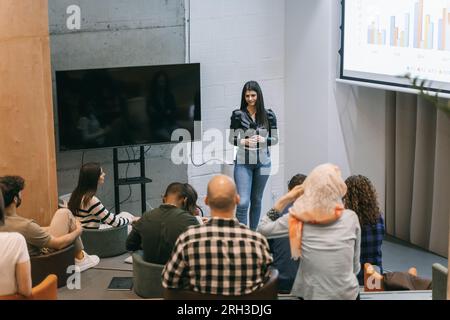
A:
x: 27, y: 143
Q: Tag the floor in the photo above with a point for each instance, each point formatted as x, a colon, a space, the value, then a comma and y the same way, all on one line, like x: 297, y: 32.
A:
x: 400, y: 256
x: 94, y: 282
x: 397, y: 256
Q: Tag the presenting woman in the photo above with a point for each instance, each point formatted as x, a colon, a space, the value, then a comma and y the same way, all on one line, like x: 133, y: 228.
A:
x: 253, y: 131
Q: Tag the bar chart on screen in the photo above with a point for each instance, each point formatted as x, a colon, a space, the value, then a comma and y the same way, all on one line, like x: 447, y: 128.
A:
x: 426, y: 22
x: 393, y: 38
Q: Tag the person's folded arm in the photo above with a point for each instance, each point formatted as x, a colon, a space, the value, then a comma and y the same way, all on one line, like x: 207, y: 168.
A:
x: 23, y: 268
x: 64, y: 241
x: 40, y: 238
x: 23, y: 276
x: 233, y: 137
x: 280, y: 227
x: 101, y: 213
x: 274, y: 229
x: 236, y: 135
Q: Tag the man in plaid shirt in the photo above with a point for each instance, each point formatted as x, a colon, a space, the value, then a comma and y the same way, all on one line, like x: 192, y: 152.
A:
x: 222, y: 256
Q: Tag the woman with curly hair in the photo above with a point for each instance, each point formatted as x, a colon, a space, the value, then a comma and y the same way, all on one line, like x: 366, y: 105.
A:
x: 361, y: 197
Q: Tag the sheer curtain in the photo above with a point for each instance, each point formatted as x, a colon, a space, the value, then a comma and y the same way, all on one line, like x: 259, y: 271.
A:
x: 417, y: 172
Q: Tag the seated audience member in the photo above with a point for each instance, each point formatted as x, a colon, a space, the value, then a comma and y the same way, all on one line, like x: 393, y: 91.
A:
x: 15, y: 271
x: 64, y: 229
x: 221, y: 256
x: 361, y: 197
x: 87, y: 207
x: 277, y: 235
x: 394, y: 281
x: 156, y: 232
x: 326, y: 237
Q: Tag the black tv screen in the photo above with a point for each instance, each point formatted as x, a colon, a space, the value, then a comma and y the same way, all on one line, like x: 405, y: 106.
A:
x: 101, y: 108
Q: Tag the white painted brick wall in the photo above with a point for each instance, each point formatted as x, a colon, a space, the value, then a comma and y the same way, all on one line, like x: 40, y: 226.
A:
x: 236, y: 41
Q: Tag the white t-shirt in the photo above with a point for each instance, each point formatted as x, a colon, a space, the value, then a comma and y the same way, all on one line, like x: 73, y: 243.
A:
x: 13, y: 250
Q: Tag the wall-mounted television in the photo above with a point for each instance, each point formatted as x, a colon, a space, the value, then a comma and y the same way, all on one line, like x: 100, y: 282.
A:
x: 127, y: 106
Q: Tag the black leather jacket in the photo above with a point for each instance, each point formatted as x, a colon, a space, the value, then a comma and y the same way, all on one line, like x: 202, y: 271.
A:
x: 242, y: 126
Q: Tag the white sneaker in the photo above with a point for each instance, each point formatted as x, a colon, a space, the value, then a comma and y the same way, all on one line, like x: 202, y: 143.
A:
x: 129, y: 260
x: 87, y: 262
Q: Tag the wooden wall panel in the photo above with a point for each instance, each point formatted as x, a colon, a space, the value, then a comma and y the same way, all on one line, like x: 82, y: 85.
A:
x: 27, y: 146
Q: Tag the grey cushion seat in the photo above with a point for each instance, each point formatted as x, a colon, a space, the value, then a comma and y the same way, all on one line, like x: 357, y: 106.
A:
x: 439, y: 277
x: 105, y: 243
x: 53, y: 263
x: 146, y: 277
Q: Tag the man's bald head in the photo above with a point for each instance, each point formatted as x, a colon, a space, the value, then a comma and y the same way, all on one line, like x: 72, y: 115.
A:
x: 221, y: 195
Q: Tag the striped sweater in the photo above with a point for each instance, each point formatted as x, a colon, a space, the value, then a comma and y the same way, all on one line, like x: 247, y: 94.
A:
x: 95, y: 213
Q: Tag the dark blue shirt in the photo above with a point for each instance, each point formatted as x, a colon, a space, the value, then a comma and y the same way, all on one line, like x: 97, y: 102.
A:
x: 371, y: 240
x: 282, y: 260
x: 287, y: 267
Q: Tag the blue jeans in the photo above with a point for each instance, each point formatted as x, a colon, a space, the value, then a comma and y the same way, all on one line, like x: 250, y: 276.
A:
x: 250, y: 181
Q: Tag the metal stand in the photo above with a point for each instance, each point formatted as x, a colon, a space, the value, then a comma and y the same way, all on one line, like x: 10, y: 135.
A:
x: 142, y: 179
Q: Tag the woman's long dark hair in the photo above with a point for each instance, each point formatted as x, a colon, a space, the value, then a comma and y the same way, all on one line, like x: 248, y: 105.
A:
x: 361, y: 197
x: 87, y: 186
x: 261, y: 115
x: 191, y: 199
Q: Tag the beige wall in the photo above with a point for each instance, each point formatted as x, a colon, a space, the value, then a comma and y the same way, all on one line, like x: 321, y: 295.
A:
x: 27, y: 146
